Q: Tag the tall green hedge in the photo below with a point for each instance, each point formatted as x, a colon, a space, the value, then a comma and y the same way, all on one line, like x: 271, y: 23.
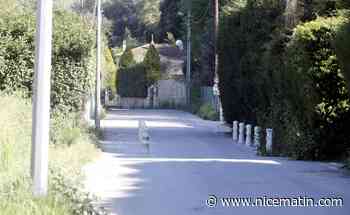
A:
x: 287, y: 79
x: 132, y: 81
x: 73, y: 40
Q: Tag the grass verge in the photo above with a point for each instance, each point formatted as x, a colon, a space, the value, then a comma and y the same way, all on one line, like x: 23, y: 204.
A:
x: 72, y: 146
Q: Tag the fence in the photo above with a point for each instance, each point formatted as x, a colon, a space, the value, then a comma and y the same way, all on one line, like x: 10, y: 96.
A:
x: 208, y: 97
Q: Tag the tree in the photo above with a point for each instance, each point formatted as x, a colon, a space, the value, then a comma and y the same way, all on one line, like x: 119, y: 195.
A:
x: 171, y: 19
x: 127, y: 59
x: 152, y: 64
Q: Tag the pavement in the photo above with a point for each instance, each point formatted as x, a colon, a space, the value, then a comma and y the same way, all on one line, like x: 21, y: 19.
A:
x: 191, y: 165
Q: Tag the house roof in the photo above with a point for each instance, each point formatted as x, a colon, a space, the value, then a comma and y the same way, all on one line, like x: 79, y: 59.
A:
x: 171, y: 58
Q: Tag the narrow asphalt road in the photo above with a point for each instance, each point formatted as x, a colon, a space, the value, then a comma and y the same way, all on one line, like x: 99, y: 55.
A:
x: 189, y: 159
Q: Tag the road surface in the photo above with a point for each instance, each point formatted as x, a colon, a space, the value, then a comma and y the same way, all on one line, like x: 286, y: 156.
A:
x: 190, y: 160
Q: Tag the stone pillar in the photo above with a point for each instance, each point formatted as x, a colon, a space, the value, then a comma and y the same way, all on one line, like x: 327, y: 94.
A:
x: 257, y: 131
x: 269, y: 136
x: 241, y: 133
x: 248, y: 137
x: 235, y: 131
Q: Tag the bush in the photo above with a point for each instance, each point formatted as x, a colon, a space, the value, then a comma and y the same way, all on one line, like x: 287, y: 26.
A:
x: 207, y: 112
x: 320, y: 97
x: 288, y: 80
x: 132, y: 81
x: 72, y: 44
x: 342, y: 47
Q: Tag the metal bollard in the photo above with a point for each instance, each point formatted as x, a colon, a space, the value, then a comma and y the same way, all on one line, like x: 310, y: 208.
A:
x: 248, y: 136
x: 257, y: 131
x: 235, y: 131
x: 269, y: 136
x: 241, y: 133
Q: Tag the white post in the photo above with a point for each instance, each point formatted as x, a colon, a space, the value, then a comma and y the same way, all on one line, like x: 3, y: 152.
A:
x: 241, y: 133
x: 269, y: 136
x: 235, y: 131
x: 257, y: 130
x: 98, y: 67
x: 41, y: 98
x: 106, y: 97
x: 143, y: 132
x: 248, y: 137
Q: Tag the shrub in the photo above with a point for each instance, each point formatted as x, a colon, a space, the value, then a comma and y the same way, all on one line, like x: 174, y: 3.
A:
x: 321, y: 101
x: 206, y: 111
x: 132, y: 81
x: 288, y: 80
x: 342, y: 47
x: 72, y: 44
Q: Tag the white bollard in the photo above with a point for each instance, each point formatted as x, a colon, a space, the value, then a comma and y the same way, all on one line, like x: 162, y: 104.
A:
x: 248, y: 136
x: 269, y: 136
x: 257, y: 131
x: 235, y: 131
x: 241, y: 133
x: 143, y: 132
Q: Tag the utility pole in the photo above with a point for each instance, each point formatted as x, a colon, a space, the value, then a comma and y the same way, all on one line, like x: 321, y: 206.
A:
x: 216, y: 60
x: 98, y: 67
x: 41, y: 99
x: 188, y: 68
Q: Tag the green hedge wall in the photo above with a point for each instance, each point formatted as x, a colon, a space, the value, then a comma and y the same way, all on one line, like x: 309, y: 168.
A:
x: 132, y: 81
x: 73, y: 40
x: 287, y: 79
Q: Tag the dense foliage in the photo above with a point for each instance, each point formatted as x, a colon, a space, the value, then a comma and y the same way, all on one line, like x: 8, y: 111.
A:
x: 152, y: 64
x: 72, y: 45
x: 127, y: 59
x: 276, y: 74
x: 132, y: 81
x: 141, y: 18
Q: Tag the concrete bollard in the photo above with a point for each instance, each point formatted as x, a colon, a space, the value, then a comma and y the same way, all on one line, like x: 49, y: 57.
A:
x: 257, y: 131
x: 248, y: 135
x: 143, y: 132
x: 241, y: 133
x: 269, y: 136
x: 235, y: 131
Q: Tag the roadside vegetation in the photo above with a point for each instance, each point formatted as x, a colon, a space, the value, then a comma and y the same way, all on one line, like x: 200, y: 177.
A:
x: 280, y: 67
x: 72, y: 143
x: 72, y: 146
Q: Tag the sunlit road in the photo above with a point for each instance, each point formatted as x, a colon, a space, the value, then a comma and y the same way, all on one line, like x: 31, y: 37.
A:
x: 189, y: 159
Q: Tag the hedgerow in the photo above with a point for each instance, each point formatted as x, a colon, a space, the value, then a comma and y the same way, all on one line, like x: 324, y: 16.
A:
x: 73, y: 41
x: 285, y: 77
